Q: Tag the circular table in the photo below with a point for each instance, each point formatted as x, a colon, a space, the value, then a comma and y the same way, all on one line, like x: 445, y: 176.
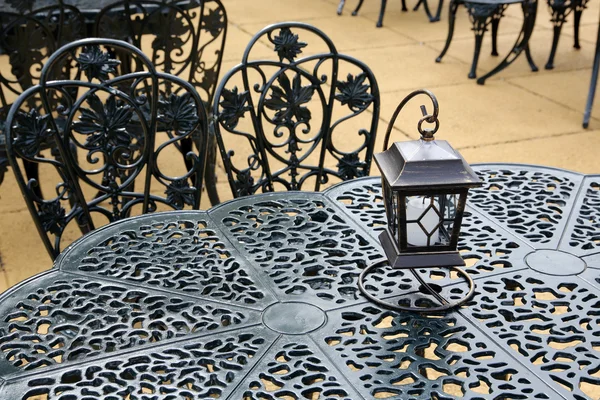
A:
x: 257, y: 299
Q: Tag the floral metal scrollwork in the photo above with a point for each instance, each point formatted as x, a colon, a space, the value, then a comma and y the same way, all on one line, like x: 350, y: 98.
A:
x: 186, y: 41
x: 96, y: 64
x: 287, y: 45
x: 287, y: 100
x: 233, y: 107
x: 32, y: 133
x: 104, y: 126
x: 290, y: 115
x: 354, y: 92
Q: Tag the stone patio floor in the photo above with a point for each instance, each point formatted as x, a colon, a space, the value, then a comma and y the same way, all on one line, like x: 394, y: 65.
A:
x: 518, y: 116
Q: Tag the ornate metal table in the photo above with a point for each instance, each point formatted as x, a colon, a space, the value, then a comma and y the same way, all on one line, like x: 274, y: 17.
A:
x: 257, y: 299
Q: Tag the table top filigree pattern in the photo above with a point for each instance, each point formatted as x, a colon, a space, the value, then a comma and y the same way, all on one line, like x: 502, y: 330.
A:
x: 257, y: 299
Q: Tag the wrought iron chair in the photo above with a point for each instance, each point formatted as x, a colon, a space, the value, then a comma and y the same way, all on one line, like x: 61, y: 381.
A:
x: 123, y: 128
x: 301, y: 113
x: 486, y: 13
x: 27, y: 38
x: 560, y: 10
x: 185, y: 38
x: 432, y: 17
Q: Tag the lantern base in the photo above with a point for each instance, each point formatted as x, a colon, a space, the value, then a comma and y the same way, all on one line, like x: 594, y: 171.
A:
x: 417, y: 260
x: 445, y: 304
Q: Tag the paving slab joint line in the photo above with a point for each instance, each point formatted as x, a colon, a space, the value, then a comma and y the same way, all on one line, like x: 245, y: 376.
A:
x: 519, y: 140
x: 565, y: 106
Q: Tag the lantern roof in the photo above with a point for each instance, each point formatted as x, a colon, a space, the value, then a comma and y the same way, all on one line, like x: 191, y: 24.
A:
x: 421, y: 164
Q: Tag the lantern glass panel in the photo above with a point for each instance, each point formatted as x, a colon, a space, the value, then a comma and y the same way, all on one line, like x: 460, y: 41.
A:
x: 430, y: 220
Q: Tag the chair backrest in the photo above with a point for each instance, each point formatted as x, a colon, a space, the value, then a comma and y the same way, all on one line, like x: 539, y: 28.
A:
x: 27, y: 38
x: 109, y: 162
x: 311, y: 113
x: 182, y: 37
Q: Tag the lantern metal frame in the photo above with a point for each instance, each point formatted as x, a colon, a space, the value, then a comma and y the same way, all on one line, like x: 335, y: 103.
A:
x: 430, y: 172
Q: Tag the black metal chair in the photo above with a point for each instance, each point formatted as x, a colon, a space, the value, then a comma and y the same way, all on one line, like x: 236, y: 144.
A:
x: 185, y: 38
x: 27, y: 38
x: 432, y: 17
x: 303, y: 113
x: 560, y: 10
x: 113, y: 135
x: 486, y: 13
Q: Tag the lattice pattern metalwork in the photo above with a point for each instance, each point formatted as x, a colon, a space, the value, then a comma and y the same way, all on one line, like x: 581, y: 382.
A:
x: 550, y: 323
x: 257, y: 299
x: 530, y: 202
x: 583, y: 236
x: 403, y: 355
x: 65, y: 319
x: 302, y: 245
x: 184, y: 255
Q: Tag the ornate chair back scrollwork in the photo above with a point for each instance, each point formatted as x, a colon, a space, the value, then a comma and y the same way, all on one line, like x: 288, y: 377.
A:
x: 112, y: 162
x: 185, y: 38
x: 297, y: 121
x: 27, y: 38
x: 182, y: 37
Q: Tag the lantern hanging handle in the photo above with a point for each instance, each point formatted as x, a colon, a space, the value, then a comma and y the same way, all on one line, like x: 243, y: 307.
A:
x: 426, y: 133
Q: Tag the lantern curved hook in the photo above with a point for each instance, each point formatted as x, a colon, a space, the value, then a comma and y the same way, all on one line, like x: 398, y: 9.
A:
x: 426, y: 133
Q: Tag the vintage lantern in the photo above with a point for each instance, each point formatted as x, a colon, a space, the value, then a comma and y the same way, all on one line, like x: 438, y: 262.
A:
x: 424, y: 186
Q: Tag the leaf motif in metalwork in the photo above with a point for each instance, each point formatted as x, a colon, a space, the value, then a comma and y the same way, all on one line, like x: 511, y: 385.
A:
x: 179, y: 193
x: 350, y: 166
x: 105, y: 125
x: 96, y: 63
x: 209, y: 78
x: 287, y: 100
x: 32, y: 132
x: 233, y: 107
x: 244, y: 182
x: 22, y: 5
x: 287, y: 45
x: 168, y: 31
x: 52, y: 216
x: 213, y: 22
x: 177, y: 113
x: 354, y: 92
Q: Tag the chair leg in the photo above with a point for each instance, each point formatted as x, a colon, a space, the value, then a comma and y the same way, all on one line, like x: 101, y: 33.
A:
x: 357, y: 9
x: 451, y: 20
x: 210, y: 174
x: 559, y: 16
x: 404, y: 5
x: 593, y: 82
x: 341, y: 7
x: 3, y: 158
x: 481, y: 15
x: 478, y: 41
x: 576, y: 23
x: 495, y: 24
x: 521, y: 44
x: 438, y: 12
x: 532, y: 65
x: 381, y: 13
